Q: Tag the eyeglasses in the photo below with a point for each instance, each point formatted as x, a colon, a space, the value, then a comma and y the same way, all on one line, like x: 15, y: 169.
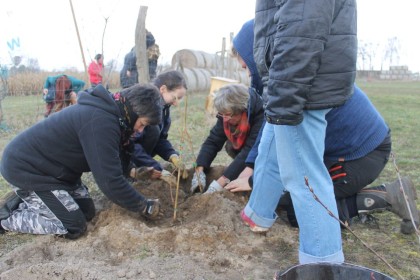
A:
x: 225, y: 116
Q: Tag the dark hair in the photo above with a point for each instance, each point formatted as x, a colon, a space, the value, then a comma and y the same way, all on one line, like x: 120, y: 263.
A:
x: 98, y: 56
x: 150, y: 39
x: 171, y: 79
x: 145, y: 101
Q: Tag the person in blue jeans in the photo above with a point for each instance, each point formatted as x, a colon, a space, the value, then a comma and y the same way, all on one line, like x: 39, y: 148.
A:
x: 357, y: 148
x: 306, y: 55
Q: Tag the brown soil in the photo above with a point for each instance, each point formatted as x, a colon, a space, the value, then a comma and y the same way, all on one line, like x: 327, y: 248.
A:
x: 204, y: 239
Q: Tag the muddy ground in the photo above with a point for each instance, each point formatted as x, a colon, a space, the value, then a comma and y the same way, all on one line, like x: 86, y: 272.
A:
x: 203, y: 239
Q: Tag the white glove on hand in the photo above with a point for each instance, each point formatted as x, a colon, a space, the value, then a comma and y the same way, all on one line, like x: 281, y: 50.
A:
x: 214, y: 187
x: 197, y: 181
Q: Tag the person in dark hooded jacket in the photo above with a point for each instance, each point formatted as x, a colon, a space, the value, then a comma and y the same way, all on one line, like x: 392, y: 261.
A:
x: 129, y: 75
x: 44, y: 163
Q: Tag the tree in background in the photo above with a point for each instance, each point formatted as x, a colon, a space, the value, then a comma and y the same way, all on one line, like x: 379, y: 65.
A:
x: 392, y: 51
x: 366, y: 53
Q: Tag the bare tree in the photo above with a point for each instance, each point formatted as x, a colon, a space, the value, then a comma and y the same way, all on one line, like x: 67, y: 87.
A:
x: 361, y: 55
x: 392, y: 51
x: 367, y: 53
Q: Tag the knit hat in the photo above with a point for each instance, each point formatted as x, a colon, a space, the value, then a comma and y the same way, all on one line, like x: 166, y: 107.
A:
x: 244, y: 45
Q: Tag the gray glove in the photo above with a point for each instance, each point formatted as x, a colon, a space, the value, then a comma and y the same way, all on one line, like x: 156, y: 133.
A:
x: 198, y: 181
x: 214, y: 187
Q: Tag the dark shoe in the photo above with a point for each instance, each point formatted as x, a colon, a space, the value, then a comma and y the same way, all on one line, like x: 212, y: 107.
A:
x: 8, y: 203
x: 398, y: 203
x: 407, y: 227
x: 391, y: 197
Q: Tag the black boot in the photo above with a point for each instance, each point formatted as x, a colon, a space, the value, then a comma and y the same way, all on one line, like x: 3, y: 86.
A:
x: 8, y: 203
x: 390, y: 197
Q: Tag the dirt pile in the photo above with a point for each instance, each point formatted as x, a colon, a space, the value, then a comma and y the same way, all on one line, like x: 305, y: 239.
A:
x: 206, y: 240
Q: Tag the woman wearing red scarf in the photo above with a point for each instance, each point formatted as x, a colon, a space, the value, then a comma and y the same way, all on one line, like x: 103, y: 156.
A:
x: 240, y: 116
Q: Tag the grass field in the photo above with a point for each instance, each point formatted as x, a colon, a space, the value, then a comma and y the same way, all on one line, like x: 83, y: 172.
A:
x: 398, y: 102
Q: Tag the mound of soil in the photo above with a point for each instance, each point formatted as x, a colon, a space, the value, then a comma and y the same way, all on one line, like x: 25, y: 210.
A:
x: 202, y: 237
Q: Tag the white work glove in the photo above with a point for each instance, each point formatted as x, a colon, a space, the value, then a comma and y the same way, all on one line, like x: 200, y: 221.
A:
x: 197, y: 181
x: 214, y: 187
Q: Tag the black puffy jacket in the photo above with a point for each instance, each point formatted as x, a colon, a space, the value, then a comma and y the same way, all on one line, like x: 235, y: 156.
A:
x: 306, y: 53
x: 54, y: 153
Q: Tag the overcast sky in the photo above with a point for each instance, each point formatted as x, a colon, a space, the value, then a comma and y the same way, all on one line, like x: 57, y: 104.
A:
x: 46, y: 29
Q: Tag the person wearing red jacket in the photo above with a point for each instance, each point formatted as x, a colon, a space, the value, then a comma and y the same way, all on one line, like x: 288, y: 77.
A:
x: 95, y: 70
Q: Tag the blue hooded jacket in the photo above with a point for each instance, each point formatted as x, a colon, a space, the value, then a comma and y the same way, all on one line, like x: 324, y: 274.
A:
x: 243, y: 43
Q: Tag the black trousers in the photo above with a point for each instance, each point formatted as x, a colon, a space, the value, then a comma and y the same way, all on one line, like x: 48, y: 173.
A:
x: 358, y: 174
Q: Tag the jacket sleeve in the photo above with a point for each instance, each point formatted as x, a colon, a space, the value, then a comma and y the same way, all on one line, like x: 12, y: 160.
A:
x: 131, y: 62
x: 301, y: 35
x: 91, y: 69
x: 212, y: 145
x: 253, y: 153
x: 78, y: 85
x: 94, y: 70
x: 48, y: 82
x: 164, y: 147
x: 141, y: 158
x: 105, y: 163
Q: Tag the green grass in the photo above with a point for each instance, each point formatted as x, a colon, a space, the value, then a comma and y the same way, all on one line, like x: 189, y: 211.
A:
x: 398, y: 102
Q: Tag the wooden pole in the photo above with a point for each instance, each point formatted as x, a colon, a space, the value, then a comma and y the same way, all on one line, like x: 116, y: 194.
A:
x: 80, y: 42
x: 223, y: 57
x: 141, y: 53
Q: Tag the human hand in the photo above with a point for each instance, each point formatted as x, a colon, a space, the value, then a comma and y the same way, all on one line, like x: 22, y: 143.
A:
x: 143, y: 173
x: 179, y: 164
x: 45, y: 91
x: 238, y: 185
x: 128, y: 73
x: 247, y: 172
x: 198, y: 181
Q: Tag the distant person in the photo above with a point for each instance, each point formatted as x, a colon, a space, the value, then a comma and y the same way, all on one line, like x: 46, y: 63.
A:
x: 18, y: 66
x: 44, y: 164
x: 129, y: 74
x: 95, y: 70
x: 60, y: 91
x: 153, y: 140
x: 153, y: 54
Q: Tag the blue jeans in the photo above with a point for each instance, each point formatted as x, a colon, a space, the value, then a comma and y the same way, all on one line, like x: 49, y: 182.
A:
x: 286, y: 155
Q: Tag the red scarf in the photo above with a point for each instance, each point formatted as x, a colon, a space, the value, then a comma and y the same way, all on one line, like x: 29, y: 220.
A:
x: 237, y: 134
